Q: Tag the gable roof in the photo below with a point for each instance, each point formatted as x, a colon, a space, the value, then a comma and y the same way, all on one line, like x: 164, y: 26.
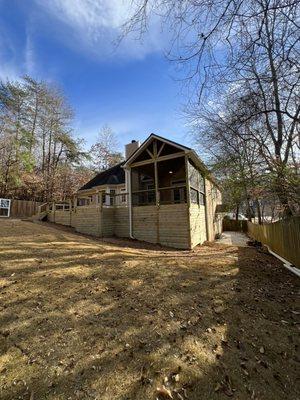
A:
x: 116, y: 174
x: 189, y: 151
x: 112, y: 176
x: 148, y: 141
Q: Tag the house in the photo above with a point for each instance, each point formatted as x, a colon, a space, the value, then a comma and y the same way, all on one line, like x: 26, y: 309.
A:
x: 162, y: 193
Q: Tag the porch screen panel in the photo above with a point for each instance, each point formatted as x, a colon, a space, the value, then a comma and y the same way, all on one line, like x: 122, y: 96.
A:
x: 194, y: 177
x: 143, y: 185
x: 172, y: 181
x: 196, y: 181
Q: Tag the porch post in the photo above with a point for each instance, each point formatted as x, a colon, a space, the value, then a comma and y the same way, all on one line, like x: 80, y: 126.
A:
x: 188, y: 200
x: 156, y: 189
x: 155, y: 173
x: 128, y: 172
x: 70, y: 211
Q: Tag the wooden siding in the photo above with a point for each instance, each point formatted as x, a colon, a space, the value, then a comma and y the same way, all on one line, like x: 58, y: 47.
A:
x: 73, y: 220
x: 91, y: 220
x: 62, y: 217
x: 88, y: 220
x: 144, y: 221
x: 197, y: 224
x: 166, y: 225
x: 213, y: 198
x: 173, y: 226
x: 121, y: 228
x: 107, y: 221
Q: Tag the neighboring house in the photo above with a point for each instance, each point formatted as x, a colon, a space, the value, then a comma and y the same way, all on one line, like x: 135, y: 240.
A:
x: 162, y: 193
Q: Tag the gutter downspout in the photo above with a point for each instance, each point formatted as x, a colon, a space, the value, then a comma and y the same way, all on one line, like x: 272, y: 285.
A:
x: 128, y: 172
x: 205, y: 207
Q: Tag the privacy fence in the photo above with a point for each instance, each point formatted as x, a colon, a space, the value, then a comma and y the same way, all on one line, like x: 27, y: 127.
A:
x: 283, y: 237
x: 233, y: 225
x: 23, y: 208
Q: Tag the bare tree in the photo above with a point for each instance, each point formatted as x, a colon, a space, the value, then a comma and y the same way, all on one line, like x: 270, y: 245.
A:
x: 244, y: 50
x: 105, y: 152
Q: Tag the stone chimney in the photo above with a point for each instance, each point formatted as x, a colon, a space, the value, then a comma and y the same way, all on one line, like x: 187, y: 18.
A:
x: 130, y: 148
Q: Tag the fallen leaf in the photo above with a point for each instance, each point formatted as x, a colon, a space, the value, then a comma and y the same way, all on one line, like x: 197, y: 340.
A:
x: 164, y: 392
x: 218, y: 387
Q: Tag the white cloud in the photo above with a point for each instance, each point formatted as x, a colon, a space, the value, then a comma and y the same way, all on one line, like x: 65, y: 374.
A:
x: 93, y: 26
x: 29, y: 56
x: 10, y: 68
x: 8, y: 71
x: 16, y: 61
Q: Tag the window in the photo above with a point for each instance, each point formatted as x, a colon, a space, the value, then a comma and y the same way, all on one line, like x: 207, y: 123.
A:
x: 4, y: 207
x: 83, y: 202
x: 194, y: 176
x: 112, y: 197
x: 178, y: 193
x: 201, y: 184
x: 201, y: 199
x: 123, y: 196
x: 201, y: 191
x: 194, y: 196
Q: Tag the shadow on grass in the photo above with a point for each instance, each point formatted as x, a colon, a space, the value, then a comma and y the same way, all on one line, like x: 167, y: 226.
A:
x: 105, y: 322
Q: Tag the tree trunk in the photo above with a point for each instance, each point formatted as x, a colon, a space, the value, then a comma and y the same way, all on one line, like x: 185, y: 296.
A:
x: 258, y: 211
x: 237, y: 212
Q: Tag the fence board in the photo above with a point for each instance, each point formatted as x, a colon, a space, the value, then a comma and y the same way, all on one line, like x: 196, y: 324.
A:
x: 233, y: 225
x: 283, y: 237
x: 23, y: 208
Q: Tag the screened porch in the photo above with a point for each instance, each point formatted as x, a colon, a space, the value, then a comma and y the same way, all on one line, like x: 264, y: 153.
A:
x: 171, y: 181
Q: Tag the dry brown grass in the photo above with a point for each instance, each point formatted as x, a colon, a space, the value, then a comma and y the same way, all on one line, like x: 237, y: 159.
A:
x: 85, y: 319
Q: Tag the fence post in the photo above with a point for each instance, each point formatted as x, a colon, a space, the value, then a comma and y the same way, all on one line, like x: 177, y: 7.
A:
x: 53, y: 210
x: 70, y: 211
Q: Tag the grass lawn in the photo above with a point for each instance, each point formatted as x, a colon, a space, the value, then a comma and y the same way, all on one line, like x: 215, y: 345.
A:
x: 85, y: 319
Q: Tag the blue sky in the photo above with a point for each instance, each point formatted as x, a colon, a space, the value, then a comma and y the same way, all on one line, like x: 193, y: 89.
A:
x: 71, y: 42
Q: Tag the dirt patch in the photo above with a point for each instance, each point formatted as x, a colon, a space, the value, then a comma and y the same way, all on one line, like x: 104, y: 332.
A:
x: 85, y: 319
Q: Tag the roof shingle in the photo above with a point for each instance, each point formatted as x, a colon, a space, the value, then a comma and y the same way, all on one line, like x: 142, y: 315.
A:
x: 112, y: 176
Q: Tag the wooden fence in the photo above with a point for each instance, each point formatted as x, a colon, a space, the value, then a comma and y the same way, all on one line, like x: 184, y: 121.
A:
x: 23, y: 208
x: 283, y: 237
x: 233, y: 225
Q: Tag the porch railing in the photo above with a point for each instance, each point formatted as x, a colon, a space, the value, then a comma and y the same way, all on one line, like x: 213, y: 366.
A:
x: 166, y: 195
x: 175, y: 194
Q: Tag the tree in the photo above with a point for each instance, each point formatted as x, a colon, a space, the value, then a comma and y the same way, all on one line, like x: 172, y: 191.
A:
x: 35, y: 140
x: 245, y: 54
x: 245, y: 140
x: 104, y: 152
